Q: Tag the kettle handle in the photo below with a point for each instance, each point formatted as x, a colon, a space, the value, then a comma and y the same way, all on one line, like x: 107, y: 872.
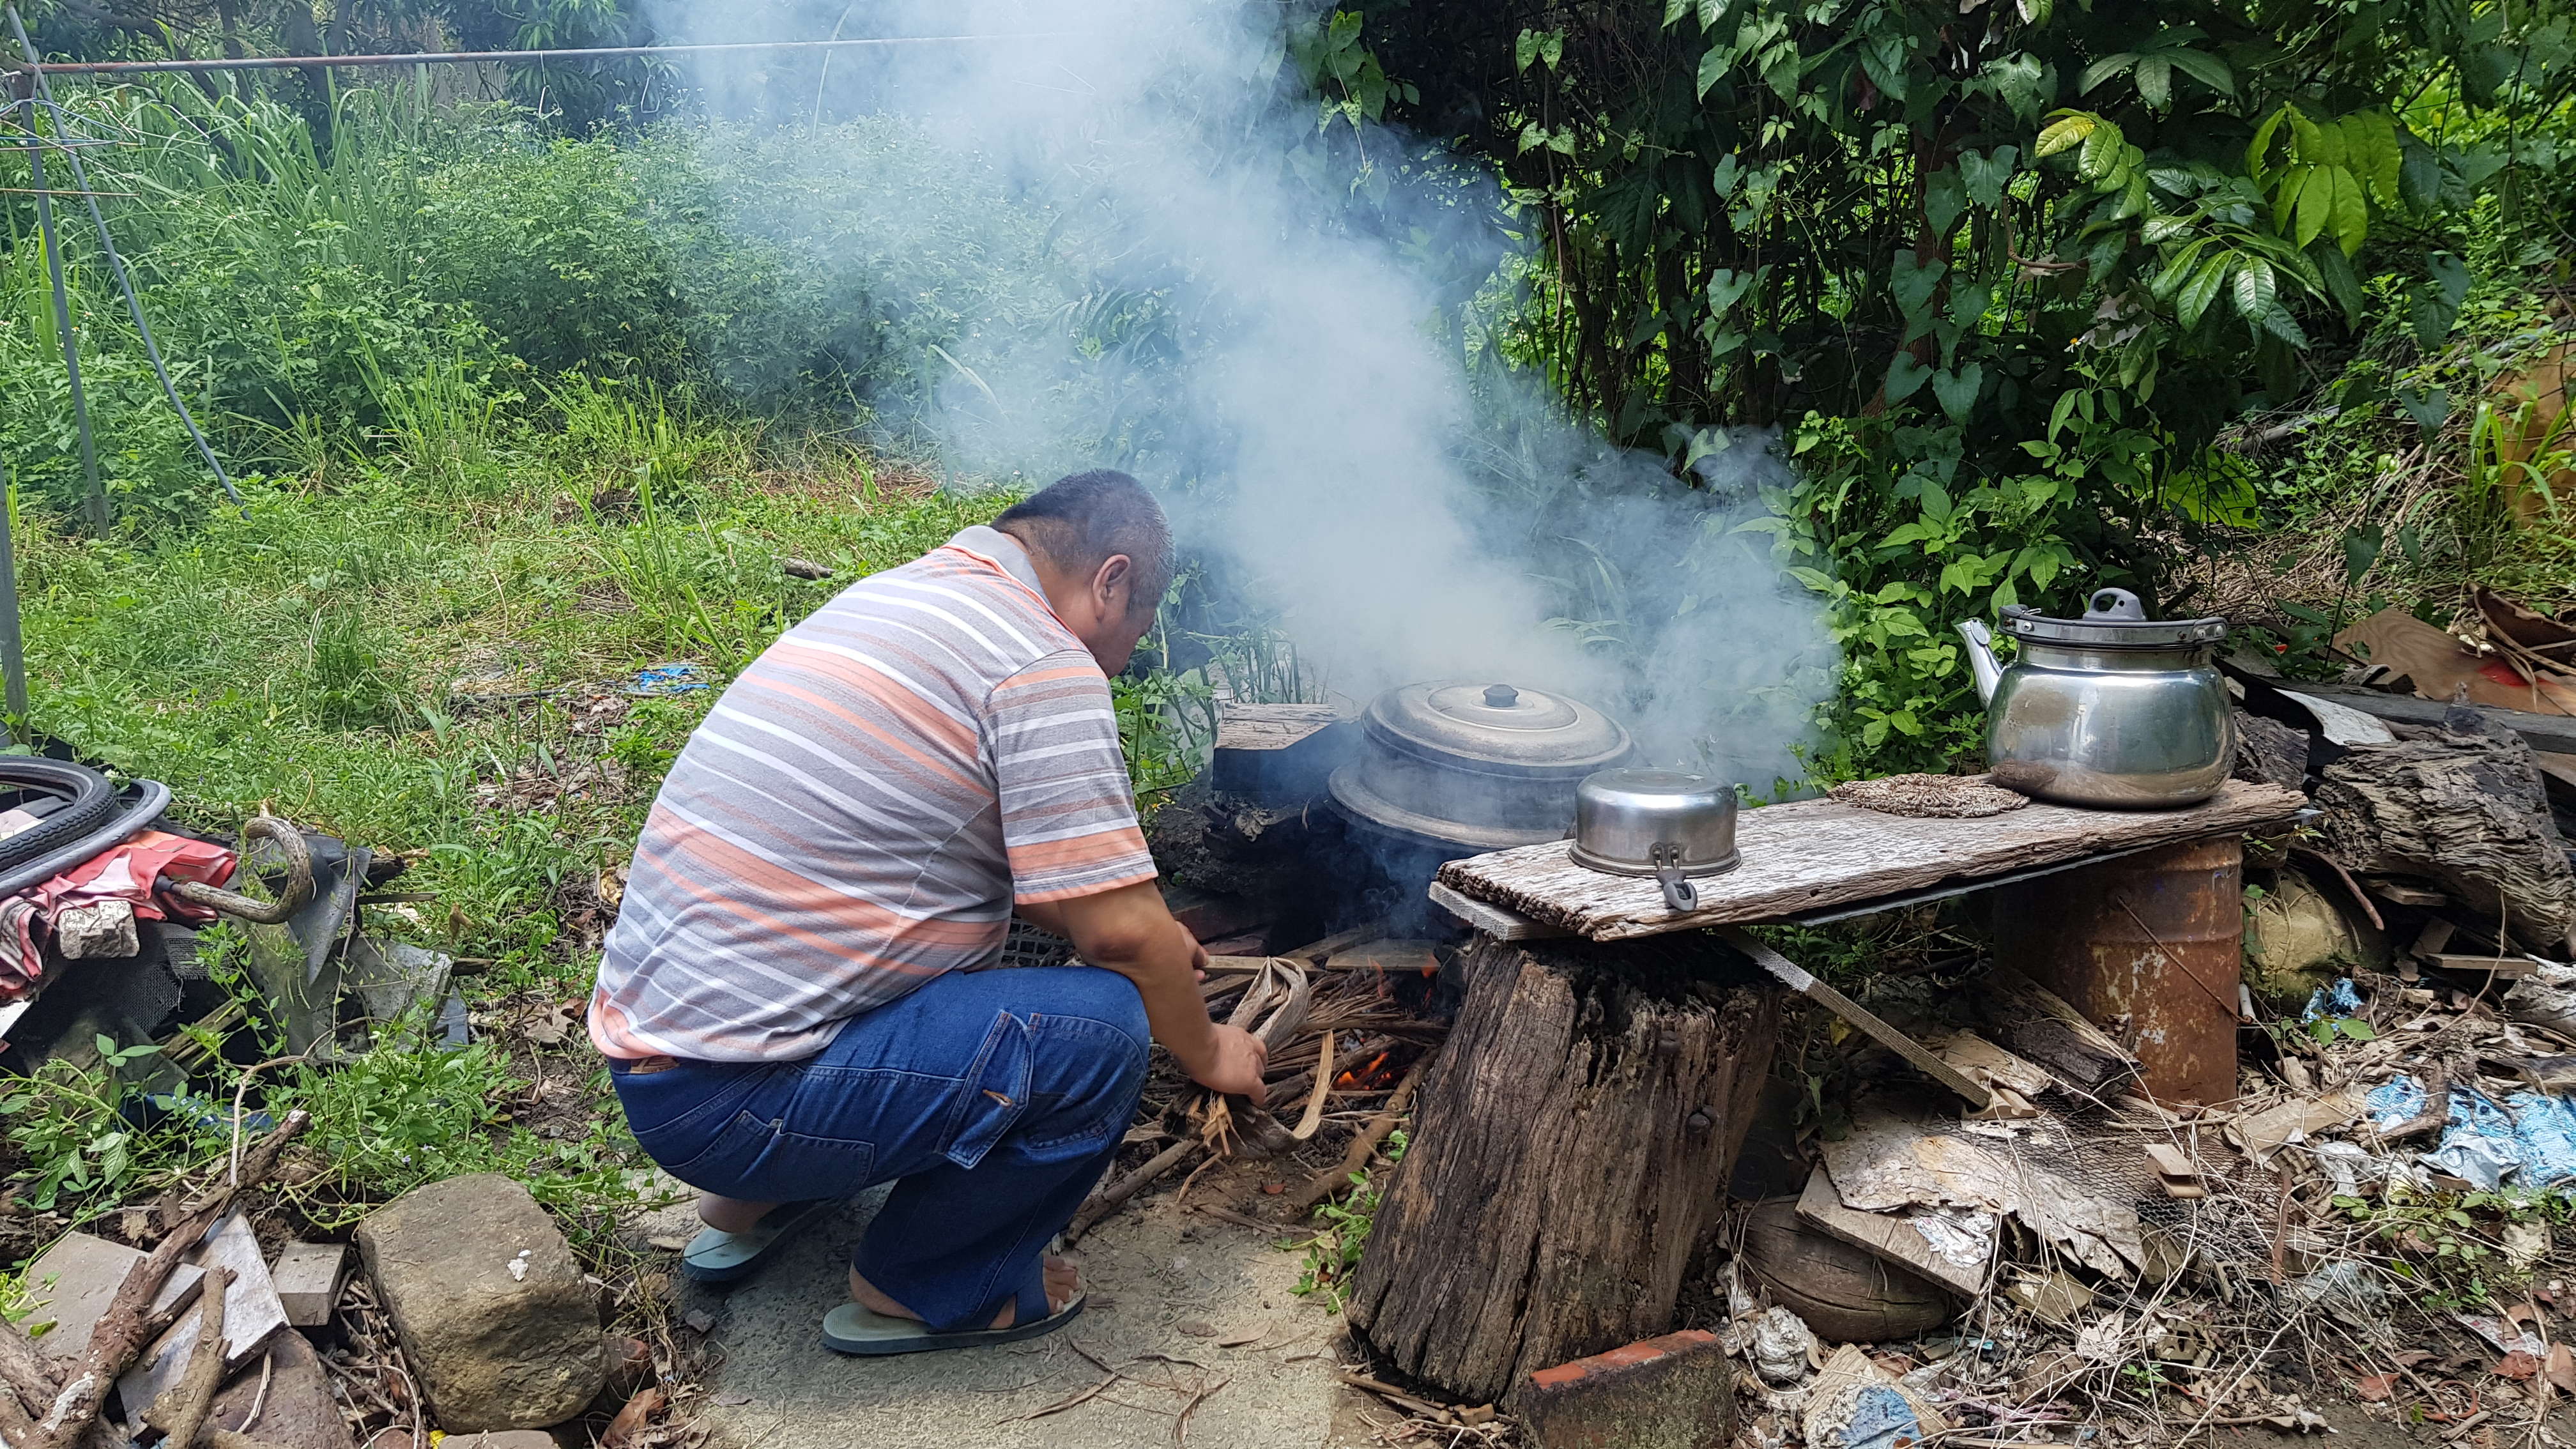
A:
x: 2121, y: 605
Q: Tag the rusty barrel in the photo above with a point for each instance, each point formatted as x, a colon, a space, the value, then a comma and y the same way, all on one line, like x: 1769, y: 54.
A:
x: 2150, y: 947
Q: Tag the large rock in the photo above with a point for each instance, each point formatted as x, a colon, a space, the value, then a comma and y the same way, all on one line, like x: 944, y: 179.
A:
x: 493, y: 1311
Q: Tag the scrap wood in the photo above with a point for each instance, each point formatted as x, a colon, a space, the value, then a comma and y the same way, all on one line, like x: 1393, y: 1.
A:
x: 1890, y: 1161
x: 1126, y: 1187
x: 1314, y: 1117
x: 119, y: 1335
x: 2264, y: 1133
x: 1398, y: 1397
x: 1356, y: 1157
x: 180, y: 1412
x: 1890, y: 1236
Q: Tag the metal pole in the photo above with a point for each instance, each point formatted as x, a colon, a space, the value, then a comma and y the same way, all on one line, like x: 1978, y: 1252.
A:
x: 124, y: 283
x: 13, y: 651
x: 95, y: 503
x: 516, y: 57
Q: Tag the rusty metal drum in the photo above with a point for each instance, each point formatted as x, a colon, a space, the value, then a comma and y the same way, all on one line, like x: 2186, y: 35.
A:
x: 2150, y: 947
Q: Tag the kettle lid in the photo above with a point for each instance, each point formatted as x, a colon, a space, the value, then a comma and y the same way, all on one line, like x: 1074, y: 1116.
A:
x: 2113, y: 619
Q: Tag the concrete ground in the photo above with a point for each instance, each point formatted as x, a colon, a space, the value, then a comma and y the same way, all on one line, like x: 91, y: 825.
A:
x: 1169, y: 1286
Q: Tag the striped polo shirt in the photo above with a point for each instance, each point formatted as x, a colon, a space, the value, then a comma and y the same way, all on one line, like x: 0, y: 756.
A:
x: 859, y: 811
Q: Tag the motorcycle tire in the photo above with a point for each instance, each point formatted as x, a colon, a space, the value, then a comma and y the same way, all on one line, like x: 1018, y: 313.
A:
x: 92, y: 804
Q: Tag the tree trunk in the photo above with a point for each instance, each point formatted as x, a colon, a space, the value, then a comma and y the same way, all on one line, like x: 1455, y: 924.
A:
x: 1569, y: 1154
x: 2465, y: 811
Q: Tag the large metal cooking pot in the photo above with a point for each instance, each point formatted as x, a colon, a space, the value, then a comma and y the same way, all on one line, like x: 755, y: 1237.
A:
x: 1663, y: 823
x: 2113, y: 709
x: 1463, y: 768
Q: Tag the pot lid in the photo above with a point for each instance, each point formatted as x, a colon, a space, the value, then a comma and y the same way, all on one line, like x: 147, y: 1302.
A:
x: 1497, y: 728
x: 2113, y: 619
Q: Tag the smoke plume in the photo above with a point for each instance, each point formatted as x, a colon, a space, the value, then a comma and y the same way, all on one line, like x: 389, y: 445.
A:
x: 1305, y: 372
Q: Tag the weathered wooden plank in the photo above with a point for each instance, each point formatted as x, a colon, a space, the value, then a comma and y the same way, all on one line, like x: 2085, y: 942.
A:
x: 1493, y: 920
x: 1810, y: 854
x: 1890, y: 1236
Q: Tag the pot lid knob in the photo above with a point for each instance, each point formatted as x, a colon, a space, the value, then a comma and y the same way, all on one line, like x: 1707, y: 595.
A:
x: 1501, y: 696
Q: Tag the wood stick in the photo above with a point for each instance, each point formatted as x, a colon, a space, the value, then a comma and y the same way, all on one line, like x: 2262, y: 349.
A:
x: 23, y: 1370
x: 1289, y: 1089
x: 120, y: 1334
x: 180, y: 1412
x: 2437, y: 1106
x: 1357, y: 1156
x: 1306, y: 1125
x: 1397, y: 1397
x: 1126, y: 1187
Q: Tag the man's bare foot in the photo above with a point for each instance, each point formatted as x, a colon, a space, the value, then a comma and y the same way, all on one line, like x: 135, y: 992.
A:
x: 731, y: 1215
x: 1063, y: 1280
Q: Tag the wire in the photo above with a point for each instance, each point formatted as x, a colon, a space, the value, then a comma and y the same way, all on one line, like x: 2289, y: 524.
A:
x: 124, y: 283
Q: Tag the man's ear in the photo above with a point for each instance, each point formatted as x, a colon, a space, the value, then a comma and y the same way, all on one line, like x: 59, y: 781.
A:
x: 1113, y: 583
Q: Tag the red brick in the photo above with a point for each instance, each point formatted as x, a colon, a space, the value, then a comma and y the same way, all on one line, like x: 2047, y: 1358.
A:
x: 1673, y: 1392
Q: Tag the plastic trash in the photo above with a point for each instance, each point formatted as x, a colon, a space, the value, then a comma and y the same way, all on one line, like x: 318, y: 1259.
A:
x: 2339, y: 1000
x: 2529, y: 1138
x: 676, y: 677
x: 1782, y: 1346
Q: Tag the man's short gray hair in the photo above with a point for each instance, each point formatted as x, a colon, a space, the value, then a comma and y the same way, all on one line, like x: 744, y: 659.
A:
x: 1078, y: 522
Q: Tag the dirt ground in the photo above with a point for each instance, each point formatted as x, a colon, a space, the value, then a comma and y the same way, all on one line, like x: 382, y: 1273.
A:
x: 1169, y: 1288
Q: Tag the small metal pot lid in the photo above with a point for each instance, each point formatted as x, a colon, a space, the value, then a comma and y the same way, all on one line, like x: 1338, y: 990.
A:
x: 1496, y: 728
x: 2113, y: 619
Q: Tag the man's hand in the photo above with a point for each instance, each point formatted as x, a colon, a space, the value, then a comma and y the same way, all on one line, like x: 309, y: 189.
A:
x: 1130, y: 931
x: 1237, y: 1065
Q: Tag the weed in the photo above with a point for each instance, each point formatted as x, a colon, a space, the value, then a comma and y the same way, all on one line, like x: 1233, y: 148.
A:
x: 1334, y: 1252
x: 74, y: 1123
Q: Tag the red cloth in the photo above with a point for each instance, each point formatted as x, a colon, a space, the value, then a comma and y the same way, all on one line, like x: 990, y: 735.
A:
x: 128, y: 871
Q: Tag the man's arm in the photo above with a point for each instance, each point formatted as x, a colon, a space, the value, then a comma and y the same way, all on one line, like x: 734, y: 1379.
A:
x: 1130, y: 931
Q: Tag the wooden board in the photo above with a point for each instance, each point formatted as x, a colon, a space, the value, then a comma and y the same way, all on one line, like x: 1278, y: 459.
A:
x: 1270, y: 726
x: 1810, y: 854
x: 1889, y: 1236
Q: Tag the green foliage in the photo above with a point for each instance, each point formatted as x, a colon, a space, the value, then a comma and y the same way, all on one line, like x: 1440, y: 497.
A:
x: 2004, y: 275
x: 72, y: 1121
x: 1332, y: 1253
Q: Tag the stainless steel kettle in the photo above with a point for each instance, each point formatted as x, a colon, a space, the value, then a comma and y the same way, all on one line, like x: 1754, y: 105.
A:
x: 2113, y: 709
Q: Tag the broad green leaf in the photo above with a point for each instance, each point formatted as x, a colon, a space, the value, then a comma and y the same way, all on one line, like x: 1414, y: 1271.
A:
x: 1882, y: 59
x: 1986, y: 176
x: 2102, y: 70
x: 1525, y: 49
x: 2257, y: 160
x: 1944, y: 197
x: 2255, y: 290
x: 2419, y: 176
x: 2315, y: 144
x: 2069, y: 130
x: 2201, y: 290
x: 2356, y: 1029
x: 1713, y: 67
x: 1674, y: 10
x: 2351, y: 212
x: 1905, y: 377
x: 2316, y: 199
x: 2294, y: 180
x: 2341, y: 283
x: 2372, y: 153
x: 2281, y: 324
x: 2155, y: 82
x: 1726, y: 287
x: 1913, y: 283
x: 2205, y: 68
x: 1711, y: 12
x: 1957, y: 391
x: 2102, y: 152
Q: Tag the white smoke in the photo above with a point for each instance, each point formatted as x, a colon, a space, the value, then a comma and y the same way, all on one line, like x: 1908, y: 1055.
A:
x: 1301, y: 390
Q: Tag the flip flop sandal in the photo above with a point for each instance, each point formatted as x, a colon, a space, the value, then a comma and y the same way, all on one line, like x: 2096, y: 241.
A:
x: 853, y: 1329
x: 715, y: 1256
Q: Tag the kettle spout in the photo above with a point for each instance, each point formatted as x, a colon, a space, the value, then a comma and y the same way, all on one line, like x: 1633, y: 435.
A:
x: 1981, y: 658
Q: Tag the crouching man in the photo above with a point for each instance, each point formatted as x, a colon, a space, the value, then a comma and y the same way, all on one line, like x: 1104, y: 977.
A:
x: 791, y: 998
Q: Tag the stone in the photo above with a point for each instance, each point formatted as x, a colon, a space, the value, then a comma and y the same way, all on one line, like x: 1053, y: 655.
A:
x: 252, y: 1315
x: 73, y: 1282
x: 307, y: 1278
x: 299, y: 1411
x: 491, y: 1306
x: 1673, y: 1392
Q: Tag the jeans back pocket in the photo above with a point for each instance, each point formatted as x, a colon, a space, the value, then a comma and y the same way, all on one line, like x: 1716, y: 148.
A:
x: 753, y: 1160
x: 995, y: 1093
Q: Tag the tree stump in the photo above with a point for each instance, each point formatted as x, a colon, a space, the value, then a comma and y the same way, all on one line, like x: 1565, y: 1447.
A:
x: 1569, y: 1155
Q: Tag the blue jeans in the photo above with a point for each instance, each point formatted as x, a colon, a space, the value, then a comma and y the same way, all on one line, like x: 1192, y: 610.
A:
x: 993, y: 1100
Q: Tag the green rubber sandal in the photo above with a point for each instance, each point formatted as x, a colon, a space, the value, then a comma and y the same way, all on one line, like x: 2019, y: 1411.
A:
x: 716, y: 1256
x: 853, y: 1329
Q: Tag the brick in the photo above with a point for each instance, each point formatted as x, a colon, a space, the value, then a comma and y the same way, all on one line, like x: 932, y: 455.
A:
x: 307, y: 1276
x: 1673, y: 1392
